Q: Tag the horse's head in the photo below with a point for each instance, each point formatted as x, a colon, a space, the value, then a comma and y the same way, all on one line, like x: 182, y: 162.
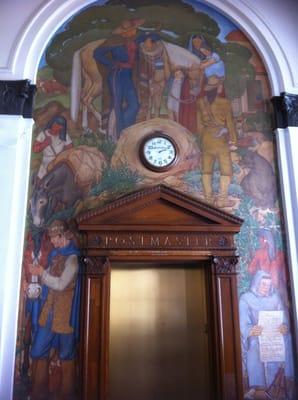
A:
x: 38, y: 206
x: 40, y: 199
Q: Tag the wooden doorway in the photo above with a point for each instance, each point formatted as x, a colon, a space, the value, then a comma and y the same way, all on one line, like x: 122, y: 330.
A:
x: 168, y: 235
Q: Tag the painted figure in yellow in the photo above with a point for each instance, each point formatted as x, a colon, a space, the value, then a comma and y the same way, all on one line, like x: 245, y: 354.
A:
x: 218, y: 138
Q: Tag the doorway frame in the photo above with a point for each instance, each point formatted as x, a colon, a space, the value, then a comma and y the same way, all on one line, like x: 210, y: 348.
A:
x: 130, y: 229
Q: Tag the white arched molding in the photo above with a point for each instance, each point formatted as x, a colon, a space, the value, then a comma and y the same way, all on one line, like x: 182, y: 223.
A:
x: 32, y: 40
x: 265, y: 40
x: 287, y: 145
x: 23, y: 62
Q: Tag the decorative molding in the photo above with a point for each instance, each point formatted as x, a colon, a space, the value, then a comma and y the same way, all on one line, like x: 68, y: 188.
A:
x: 163, y: 191
x: 95, y: 265
x: 285, y: 110
x: 16, y: 97
x: 224, y: 265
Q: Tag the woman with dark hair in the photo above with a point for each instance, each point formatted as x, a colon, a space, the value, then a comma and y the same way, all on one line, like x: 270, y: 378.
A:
x: 190, y: 93
x: 51, y: 141
x: 194, y: 45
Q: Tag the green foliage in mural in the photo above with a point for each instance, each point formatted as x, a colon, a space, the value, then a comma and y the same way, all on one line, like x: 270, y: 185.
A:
x: 262, y: 122
x: 120, y: 180
x: 194, y: 180
x: 174, y: 20
x: 273, y: 222
x: 238, y: 68
x: 98, y: 22
x: 98, y: 140
x: 248, y: 234
x: 107, y: 147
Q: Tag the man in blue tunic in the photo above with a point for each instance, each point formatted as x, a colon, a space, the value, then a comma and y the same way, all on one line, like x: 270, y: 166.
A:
x: 120, y: 55
x: 56, y: 320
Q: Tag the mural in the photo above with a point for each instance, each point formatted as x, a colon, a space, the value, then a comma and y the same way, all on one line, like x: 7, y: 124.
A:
x: 114, y: 73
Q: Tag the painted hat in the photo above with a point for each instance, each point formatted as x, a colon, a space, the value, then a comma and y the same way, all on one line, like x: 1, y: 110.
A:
x: 57, y: 227
x: 148, y: 35
x: 128, y: 25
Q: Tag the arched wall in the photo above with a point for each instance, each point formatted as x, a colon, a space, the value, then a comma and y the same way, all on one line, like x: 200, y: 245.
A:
x: 23, y: 49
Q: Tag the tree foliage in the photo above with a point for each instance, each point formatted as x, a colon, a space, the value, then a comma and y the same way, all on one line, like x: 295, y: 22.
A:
x: 175, y: 21
x: 238, y: 68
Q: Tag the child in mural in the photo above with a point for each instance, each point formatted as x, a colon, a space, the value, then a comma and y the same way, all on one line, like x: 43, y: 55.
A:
x: 119, y: 54
x: 213, y: 68
x: 173, y: 102
x: 262, y: 297
x: 154, y: 71
x: 55, y: 320
x: 51, y: 141
x: 218, y: 138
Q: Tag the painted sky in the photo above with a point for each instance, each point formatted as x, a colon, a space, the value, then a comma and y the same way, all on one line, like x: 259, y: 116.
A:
x: 226, y: 26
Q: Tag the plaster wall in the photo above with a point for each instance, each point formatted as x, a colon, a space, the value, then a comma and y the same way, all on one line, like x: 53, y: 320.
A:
x: 27, y: 27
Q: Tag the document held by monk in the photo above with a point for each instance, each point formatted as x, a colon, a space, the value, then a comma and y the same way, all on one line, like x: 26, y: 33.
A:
x: 271, y: 341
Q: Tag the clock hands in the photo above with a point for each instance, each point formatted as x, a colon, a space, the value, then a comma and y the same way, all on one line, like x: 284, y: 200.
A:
x: 157, y: 152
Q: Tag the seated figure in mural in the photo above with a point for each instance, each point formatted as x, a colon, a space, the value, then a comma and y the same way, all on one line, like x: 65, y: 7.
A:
x: 154, y: 71
x: 218, y: 138
x: 55, y: 320
x: 51, y: 141
x: 263, y: 375
x: 119, y: 55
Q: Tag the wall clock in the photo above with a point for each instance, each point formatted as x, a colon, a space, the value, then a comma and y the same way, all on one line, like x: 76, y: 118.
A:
x: 158, y: 152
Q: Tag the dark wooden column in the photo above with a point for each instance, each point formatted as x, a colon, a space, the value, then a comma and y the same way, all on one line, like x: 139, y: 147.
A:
x: 17, y: 97
x: 226, y: 317
x: 94, y: 328
x: 285, y: 110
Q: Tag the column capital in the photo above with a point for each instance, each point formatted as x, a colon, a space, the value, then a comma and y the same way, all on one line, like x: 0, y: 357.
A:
x: 224, y: 265
x: 285, y: 110
x: 95, y: 265
x: 16, y: 97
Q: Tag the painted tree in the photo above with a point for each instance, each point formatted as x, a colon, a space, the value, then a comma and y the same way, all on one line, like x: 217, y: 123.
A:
x: 175, y: 22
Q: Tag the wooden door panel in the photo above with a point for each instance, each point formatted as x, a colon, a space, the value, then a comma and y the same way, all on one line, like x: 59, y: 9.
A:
x: 158, y: 339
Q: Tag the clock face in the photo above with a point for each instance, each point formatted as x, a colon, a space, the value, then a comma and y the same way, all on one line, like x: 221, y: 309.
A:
x: 158, y: 152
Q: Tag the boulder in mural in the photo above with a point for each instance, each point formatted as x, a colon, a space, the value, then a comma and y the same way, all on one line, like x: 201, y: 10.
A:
x: 127, y: 150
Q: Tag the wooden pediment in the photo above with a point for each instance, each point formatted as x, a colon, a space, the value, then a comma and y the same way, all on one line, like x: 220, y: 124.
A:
x: 159, y: 206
